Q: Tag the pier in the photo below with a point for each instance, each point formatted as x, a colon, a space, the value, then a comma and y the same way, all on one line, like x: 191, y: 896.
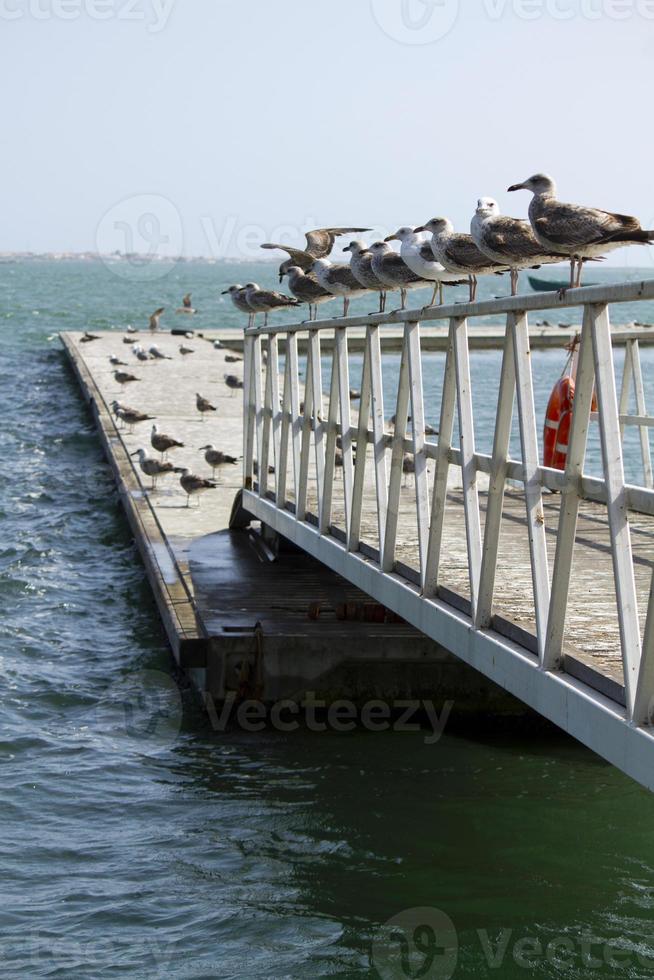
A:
x: 483, y: 576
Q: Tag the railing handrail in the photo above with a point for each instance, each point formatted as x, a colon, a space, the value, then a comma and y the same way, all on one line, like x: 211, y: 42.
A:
x: 624, y: 292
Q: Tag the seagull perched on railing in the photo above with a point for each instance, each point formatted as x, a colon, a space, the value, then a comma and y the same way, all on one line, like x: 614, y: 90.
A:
x: 152, y: 467
x: 155, y: 317
x: 339, y: 280
x: 237, y: 296
x: 163, y: 443
x: 393, y: 270
x: 266, y: 300
x: 458, y: 252
x: 417, y: 253
x: 363, y: 272
x: 306, y: 288
x: 509, y: 240
x: 579, y: 232
x: 216, y: 457
x: 319, y: 244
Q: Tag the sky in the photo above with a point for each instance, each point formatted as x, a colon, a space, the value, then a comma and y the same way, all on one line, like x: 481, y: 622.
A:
x: 203, y: 127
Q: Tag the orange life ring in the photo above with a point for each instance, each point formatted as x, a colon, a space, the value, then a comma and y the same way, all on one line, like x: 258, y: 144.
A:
x: 560, y: 402
x: 562, y: 440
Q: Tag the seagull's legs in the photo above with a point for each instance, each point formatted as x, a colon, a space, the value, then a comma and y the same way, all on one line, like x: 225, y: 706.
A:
x: 580, y: 269
x: 514, y: 282
x: 472, y: 280
x: 265, y: 319
x: 434, y: 294
x: 382, y: 297
x: 346, y: 305
x: 403, y: 294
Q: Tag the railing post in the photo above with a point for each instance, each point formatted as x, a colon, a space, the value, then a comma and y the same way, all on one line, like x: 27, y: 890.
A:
x: 468, y: 465
x: 248, y: 411
x: 353, y: 537
x: 325, y: 512
x: 281, y: 464
x: 341, y: 355
x: 296, y: 421
x: 421, y: 478
x: 397, y: 459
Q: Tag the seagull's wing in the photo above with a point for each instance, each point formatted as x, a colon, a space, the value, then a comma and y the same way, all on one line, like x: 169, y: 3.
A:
x: 462, y: 250
x: 398, y: 269
x: 427, y: 252
x: 320, y: 241
x: 271, y: 298
x: 569, y: 224
x: 342, y: 274
x: 511, y: 237
x: 159, y: 311
x: 304, y: 259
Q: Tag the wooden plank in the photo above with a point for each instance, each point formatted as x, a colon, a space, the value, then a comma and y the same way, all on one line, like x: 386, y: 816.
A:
x: 492, y: 528
x: 530, y: 460
x: 468, y: 467
x: 623, y: 570
x: 439, y: 493
x: 570, y: 500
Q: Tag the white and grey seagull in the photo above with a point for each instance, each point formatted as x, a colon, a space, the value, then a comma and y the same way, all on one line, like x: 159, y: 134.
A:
x: 363, y: 272
x: 580, y: 232
x: 509, y: 240
x: 163, y: 443
x: 319, y: 244
x: 194, y: 485
x: 458, y: 252
x: 306, y: 288
x: 393, y: 270
x: 266, y: 300
x: 338, y: 279
x: 216, y: 457
x: 237, y: 296
x: 187, y: 306
x: 153, y: 467
x: 155, y: 317
x: 417, y: 253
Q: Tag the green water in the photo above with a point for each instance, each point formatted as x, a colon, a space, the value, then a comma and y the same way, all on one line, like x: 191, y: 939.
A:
x: 228, y: 855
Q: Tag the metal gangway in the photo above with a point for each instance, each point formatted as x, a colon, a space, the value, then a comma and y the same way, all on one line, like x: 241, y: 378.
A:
x: 319, y: 473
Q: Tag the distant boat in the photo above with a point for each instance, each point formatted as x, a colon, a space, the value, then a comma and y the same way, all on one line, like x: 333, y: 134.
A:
x: 551, y: 285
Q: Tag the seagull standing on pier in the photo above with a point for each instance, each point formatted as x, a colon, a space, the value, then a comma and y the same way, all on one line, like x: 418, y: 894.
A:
x: 458, y: 253
x: 157, y: 354
x: 319, y: 244
x: 237, y: 296
x: 216, y: 457
x: 363, y: 272
x: 579, y: 232
x: 509, y: 240
x: 307, y: 290
x: 266, y: 300
x: 123, y: 378
x: 154, y: 319
x: 152, y: 467
x: 116, y: 361
x: 194, y: 485
x: 203, y: 405
x: 163, y: 443
x: 393, y: 271
x: 233, y: 382
x: 417, y: 253
x: 129, y: 416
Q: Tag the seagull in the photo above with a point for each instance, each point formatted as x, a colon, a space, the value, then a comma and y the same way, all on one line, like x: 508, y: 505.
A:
x: 509, y: 240
x: 203, y: 405
x: 233, y: 382
x: 156, y: 353
x: 186, y: 350
x: 416, y: 252
x: 319, y: 244
x: 140, y: 352
x: 216, y: 457
x: 393, y: 270
x: 266, y: 300
x: 163, y: 443
x: 128, y: 340
x: 154, y: 319
x: 88, y: 337
x: 579, y: 232
x: 130, y: 416
x: 361, y: 268
x: 232, y: 359
x: 408, y: 465
x: 116, y: 361
x: 339, y: 280
x: 458, y: 252
x: 123, y: 377
x: 152, y: 467
x: 307, y: 289
x: 237, y: 295
x: 193, y: 484
x: 187, y: 306
x: 130, y: 329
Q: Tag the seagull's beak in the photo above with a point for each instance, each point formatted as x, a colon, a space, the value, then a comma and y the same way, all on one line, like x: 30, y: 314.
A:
x: 420, y: 228
x: 347, y: 248
x: 391, y: 238
x: 224, y: 292
x: 516, y: 187
x: 201, y: 448
x: 135, y: 454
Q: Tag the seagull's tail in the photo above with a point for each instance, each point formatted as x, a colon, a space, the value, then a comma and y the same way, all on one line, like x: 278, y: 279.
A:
x: 639, y: 237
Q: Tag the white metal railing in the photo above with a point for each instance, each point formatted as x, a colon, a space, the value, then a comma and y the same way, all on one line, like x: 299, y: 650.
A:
x: 296, y: 437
